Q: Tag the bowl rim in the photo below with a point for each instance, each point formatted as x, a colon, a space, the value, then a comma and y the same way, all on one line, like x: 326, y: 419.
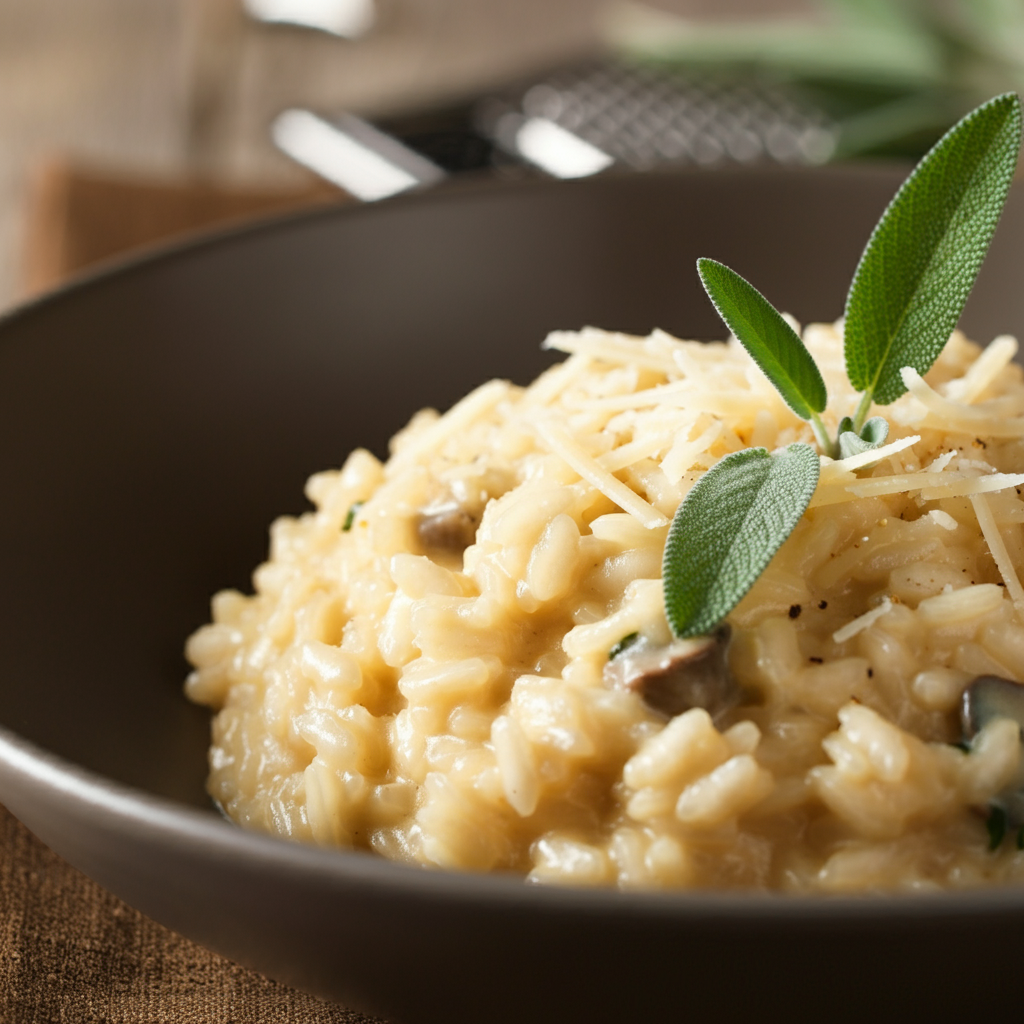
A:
x: 470, y: 188
x: 126, y: 808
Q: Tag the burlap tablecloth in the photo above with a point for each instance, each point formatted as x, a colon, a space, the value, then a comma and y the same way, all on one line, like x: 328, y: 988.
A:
x: 72, y: 952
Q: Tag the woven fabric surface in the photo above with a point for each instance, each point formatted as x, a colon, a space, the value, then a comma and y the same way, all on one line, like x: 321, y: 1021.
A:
x: 72, y: 952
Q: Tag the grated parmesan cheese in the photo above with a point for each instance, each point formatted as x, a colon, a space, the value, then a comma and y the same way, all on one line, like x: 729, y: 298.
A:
x: 859, y: 624
x: 609, y: 347
x: 943, y: 519
x: 561, y: 443
x: 995, y: 418
x: 876, y: 455
x: 997, y: 546
x: 684, y: 453
x: 983, y: 371
x: 459, y: 417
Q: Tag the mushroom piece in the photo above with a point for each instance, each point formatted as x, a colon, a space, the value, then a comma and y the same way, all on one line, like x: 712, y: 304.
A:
x: 672, y: 678
x: 985, y: 699
x: 989, y: 697
x: 447, y: 528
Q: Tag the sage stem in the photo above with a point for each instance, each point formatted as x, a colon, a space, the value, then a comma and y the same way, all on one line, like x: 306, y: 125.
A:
x: 863, y: 409
x: 825, y: 443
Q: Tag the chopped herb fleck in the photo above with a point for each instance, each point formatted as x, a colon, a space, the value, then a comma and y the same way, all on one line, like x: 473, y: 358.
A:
x: 350, y: 516
x: 624, y: 644
x: 996, y: 825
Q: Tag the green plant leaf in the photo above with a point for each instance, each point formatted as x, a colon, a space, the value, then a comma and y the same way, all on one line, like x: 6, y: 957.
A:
x: 727, y: 530
x: 772, y: 343
x: 924, y: 255
x: 872, y: 435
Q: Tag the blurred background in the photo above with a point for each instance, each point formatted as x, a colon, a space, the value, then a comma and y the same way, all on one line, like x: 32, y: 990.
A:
x: 124, y: 122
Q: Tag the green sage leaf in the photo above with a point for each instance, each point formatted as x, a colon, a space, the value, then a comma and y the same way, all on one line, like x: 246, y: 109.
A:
x: 772, y: 343
x: 872, y: 435
x: 924, y: 255
x: 727, y: 530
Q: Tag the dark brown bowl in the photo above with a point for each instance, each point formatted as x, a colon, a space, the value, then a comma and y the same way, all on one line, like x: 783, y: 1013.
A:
x: 155, y: 418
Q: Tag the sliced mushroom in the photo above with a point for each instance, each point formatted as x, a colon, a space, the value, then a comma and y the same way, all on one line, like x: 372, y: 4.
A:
x: 989, y: 697
x: 672, y: 678
x: 448, y: 528
x: 985, y: 699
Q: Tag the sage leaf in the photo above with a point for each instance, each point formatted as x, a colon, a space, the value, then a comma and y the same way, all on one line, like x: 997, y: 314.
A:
x: 924, y: 255
x: 728, y: 528
x: 773, y: 344
x: 872, y: 435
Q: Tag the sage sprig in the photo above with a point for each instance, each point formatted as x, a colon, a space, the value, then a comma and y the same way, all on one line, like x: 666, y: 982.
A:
x: 907, y: 295
x: 728, y: 528
x: 922, y: 259
x: 911, y: 283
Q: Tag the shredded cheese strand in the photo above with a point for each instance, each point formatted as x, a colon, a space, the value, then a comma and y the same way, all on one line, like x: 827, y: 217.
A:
x: 968, y: 485
x: 562, y: 444
x: 628, y: 454
x: 459, y: 417
x: 859, y: 624
x: 610, y: 348
x: 997, y: 546
x: 941, y: 462
x: 685, y: 453
x: 932, y: 486
x: 991, y: 420
x: 938, y: 485
x: 983, y: 371
x: 680, y: 394
x: 943, y: 519
x: 550, y: 385
x: 876, y: 454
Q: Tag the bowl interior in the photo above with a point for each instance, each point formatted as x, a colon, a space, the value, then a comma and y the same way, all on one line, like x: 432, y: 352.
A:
x: 155, y: 419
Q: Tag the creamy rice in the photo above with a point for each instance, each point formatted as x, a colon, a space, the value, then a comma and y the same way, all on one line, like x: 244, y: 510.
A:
x: 390, y: 688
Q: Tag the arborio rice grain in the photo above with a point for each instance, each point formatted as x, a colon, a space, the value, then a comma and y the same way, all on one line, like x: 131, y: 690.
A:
x: 424, y: 668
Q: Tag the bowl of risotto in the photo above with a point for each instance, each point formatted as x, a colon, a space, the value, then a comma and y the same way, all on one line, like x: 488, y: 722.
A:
x: 438, y: 755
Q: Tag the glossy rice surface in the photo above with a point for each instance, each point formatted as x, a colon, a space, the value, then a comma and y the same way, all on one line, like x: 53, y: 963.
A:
x: 424, y: 666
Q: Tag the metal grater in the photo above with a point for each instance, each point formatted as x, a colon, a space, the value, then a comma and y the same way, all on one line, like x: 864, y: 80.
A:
x: 643, y: 117
x: 570, y: 123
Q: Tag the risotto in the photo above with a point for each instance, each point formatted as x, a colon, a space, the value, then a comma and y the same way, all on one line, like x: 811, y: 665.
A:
x: 460, y: 657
